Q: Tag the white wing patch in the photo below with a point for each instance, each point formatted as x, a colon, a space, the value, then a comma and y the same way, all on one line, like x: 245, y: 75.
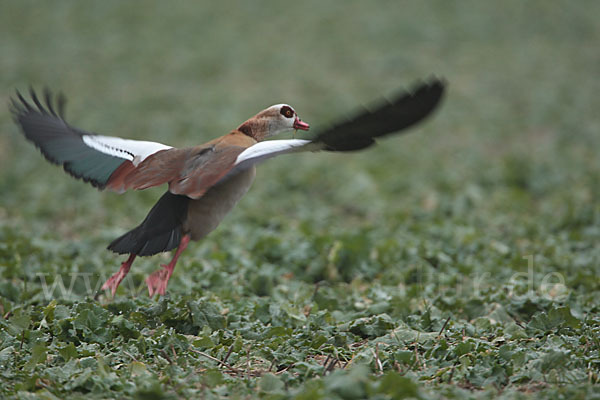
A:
x: 264, y: 150
x: 270, y: 148
x: 133, y: 150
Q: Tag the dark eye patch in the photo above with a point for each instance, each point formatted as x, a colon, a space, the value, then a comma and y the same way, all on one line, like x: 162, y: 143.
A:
x: 287, y: 112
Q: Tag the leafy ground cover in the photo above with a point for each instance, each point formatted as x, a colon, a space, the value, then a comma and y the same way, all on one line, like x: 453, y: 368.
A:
x: 460, y: 261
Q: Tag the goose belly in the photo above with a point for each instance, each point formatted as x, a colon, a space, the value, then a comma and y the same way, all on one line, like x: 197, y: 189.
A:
x: 206, y: 213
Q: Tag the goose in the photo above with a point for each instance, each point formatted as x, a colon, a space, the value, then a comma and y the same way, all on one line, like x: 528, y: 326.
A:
x: 205, y: 181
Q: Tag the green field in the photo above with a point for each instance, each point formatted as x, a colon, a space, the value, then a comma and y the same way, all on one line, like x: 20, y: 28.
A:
x: 458, y: 261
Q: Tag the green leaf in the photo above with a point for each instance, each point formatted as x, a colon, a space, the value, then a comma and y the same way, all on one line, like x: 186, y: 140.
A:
x: 205, y: 313
x: 271, y: 384
x: 278, y: 331
x: 125, y: 327
x: 372, y: 327
x: 348, y: 384
x: 559, y: 317
x: 138, y: 368
x: 204, y: 342
x: 38, y: 355
x: 463, y: 348
x: 18, y: 324
x: 69, y: 351
x: 554, y: 360
x: 397, y: 386
x: 213, y: 377
x: 6, y: 355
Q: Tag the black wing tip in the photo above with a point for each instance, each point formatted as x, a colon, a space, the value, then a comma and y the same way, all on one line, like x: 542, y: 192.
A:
x: 434, y: 82
x: 19, y: 107
x: 403, y: 109
x: 52, y: 105
x: 433, y: 79
x: 432, y: 86
x: 439, y: 84
x: 426, y: 94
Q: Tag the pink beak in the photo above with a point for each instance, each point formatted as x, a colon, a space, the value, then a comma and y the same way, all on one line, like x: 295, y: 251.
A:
x: 298, y: 124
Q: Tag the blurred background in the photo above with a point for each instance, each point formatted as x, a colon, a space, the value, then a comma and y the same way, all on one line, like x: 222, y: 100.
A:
x: 463, y: 254
x: 509, y: 163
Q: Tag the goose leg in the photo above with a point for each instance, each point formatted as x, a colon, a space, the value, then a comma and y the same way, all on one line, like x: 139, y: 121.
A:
x: 113, y: 282
x: 158, y: 280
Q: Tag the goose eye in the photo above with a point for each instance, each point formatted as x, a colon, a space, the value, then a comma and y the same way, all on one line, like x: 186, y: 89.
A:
x: 287, y: 112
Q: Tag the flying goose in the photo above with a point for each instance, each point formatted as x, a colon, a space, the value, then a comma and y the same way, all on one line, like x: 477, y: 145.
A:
x: 206, y: 181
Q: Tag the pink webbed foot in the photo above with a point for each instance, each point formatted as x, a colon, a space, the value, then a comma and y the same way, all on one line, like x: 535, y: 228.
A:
x: 157, y: 282
x: 114, y: 281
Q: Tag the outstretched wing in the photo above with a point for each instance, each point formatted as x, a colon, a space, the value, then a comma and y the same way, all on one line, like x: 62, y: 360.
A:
x: 190, y: 171
x: 120, y: 164
x: 405, y: 109
x: 93, y: 158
